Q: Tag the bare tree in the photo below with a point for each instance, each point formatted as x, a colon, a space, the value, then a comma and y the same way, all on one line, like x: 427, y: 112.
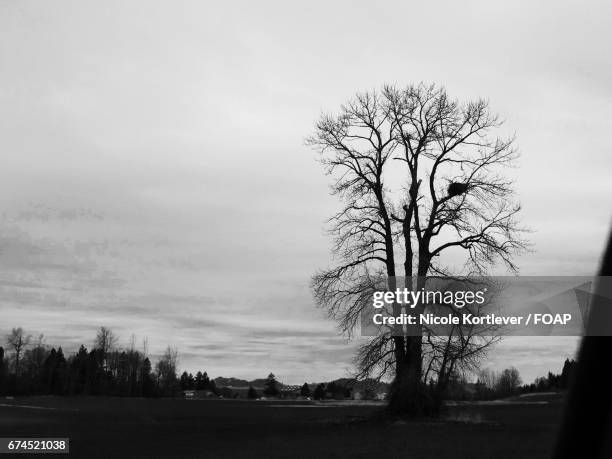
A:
x: 452, y: 198
x: 18, y: 342
x: 105, y: 343
x: 488, y: 378
x: 165, y: 370
x: 509, y: 381
x: 145, y: 347
x: 459, y: 353
x: 132, y: 343
x: 34, y: 357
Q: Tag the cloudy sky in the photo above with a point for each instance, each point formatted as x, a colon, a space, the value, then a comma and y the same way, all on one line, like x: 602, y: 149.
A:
x: 155, y: 179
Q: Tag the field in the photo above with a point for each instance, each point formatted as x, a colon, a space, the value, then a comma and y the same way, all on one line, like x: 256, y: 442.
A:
x: 113, y: 427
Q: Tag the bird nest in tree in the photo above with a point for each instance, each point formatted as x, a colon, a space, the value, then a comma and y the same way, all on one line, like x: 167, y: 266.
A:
x: 457, y: 188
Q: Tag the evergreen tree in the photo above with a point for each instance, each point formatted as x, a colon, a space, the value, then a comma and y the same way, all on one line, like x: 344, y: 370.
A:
x: 187, y: 381
x: 207, y: 384
x: 183, y: 381
x: 79, y: 366
x: 146, y: 380
x: 567, y: 372
x: 252, y: 394
x: 199, y: 381
x: 271, y: 386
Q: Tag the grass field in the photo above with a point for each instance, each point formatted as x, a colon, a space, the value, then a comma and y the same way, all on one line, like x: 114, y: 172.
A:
x: 112, y: 427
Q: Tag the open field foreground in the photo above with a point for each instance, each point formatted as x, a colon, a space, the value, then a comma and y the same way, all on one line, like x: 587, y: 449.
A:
x: 114, y: 427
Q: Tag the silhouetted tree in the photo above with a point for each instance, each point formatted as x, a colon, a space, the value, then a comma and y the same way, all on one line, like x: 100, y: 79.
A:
x: 18, y: 342
x: 105, y: 342
x: 440, y: 142
x: 567, y: 373
x: 79, y: 370
x: 319, y: 393
x: 271, y: 386
x: 554, y: 381
x: 207, y: 383
x: 166, y: 372
x: 509, y: 381
x: 252, y: 393
x: 33, y: 365
x: 198, y: 381
x: 54, y: 371
x: 305, y: 390
x: 101, y: 371
x: 148, y: 385
x: 187, y: 381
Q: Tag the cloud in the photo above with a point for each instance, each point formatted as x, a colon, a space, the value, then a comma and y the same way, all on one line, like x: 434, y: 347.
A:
x: 154, y: 176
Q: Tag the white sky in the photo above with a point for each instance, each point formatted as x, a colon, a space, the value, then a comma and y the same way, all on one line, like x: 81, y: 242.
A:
x: 154, y: 177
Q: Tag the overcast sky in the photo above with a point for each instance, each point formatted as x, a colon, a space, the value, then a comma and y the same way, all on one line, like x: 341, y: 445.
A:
x: 155, y: 179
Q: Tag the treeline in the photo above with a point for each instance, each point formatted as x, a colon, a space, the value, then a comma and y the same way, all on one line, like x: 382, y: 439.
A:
x: 30, y: 367
x: 491, y: 385
x: 553, y: 382
x: 200, y: 381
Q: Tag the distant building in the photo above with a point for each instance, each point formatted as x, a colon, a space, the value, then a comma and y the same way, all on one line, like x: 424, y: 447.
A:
x: 198, y: 394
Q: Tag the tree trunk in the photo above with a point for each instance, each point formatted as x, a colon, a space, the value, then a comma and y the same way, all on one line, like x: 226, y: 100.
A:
x: 409, y: 393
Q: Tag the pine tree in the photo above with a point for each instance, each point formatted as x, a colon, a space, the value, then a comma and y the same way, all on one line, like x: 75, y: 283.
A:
x: 199, y: 381
x: 184, y: 381
x: 271, y: 386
